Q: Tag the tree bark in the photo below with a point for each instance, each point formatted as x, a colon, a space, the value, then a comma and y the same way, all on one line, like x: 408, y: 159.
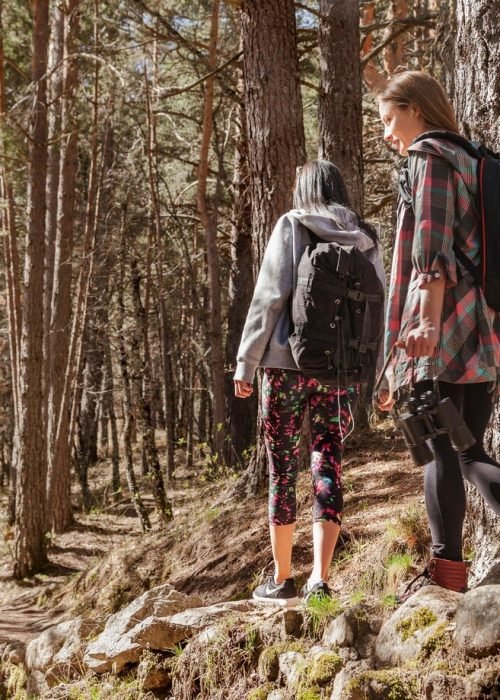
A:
x: 30, y: 543
x: 208, y: 217
x: 12, y: 270
x: 340, y: 99
x: 95, y: 339
x: 60, y: 514
x: 242, y: 414
x: 275, y: 129
x: 477, y: 102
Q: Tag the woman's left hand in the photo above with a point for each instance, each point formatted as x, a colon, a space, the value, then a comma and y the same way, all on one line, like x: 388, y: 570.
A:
x: 421, y: 341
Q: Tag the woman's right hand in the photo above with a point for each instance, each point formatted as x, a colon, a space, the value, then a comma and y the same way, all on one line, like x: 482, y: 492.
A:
x: 385, y: 400
x: 242, y: 389
x: 385, y: 395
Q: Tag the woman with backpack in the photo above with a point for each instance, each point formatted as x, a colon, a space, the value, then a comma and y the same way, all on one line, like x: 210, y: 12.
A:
x: 442, y: 334
x: 322, y: 212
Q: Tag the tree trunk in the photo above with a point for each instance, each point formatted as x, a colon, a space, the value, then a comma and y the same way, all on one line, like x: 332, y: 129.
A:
x: 60, y: 513
x: 30, y: 543
x: 11, y: 255
x: 477, y: 102
x: 242, y: 414
x: 275, y: 131
x: 127, y: 392
x: 160, y: 258
x: 340, y: 100
x: 208, y: 216
x: 109, y: 410
x: 142, y: 367
x: 98, y: 320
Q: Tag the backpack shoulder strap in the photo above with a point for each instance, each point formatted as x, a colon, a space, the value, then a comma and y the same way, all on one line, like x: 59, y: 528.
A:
x: 472, y: 148
x: 476, y: 150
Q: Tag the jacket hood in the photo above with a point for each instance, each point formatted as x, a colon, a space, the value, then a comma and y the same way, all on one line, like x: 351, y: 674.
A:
x: 328, y: 229
x: 449, y: 150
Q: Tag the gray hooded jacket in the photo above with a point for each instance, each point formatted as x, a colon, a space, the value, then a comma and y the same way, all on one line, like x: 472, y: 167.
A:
x: 264, y: 342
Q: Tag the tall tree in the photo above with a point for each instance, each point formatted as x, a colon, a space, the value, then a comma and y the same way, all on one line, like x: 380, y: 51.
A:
x: 60, y: 514
x: 477, y: 102
x: 242, y: 414
x: 276, y: 144
x: 208, y: 216
x: 30, y: 541
x: 11, y: 261
x: 340, y: 118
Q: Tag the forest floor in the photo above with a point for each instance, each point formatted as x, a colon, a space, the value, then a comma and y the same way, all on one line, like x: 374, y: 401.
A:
x: 217, y: 547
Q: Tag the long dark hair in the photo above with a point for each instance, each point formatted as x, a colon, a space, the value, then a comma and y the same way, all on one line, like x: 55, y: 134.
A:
x: 320, y: 189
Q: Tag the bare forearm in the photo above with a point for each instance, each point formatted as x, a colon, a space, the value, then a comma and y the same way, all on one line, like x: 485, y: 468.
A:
x: 431, y: 303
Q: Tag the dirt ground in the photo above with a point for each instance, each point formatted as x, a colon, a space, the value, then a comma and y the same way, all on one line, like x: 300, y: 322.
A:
x: 216, y: 547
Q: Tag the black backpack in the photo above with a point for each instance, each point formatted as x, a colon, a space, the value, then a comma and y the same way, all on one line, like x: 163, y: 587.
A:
x: 337, y: 315
x: 487, y: 274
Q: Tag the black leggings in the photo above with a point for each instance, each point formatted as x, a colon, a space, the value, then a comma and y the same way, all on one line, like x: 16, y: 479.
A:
x: 443, y: 477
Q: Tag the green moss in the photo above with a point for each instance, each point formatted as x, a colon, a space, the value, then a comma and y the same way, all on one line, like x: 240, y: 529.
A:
x: 269, y: 658
x: 421, y: 618
x: 437, y: 640
x: 324, y: 668
x: 394, y: 685
x: 309, y: 693
x: 260, y: 693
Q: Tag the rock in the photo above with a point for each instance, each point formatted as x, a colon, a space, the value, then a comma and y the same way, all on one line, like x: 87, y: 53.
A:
x: 485, y: 682
x: 276, y: 695
x: 14, y: 653
x: 126, y: 633
x: 290, y: 665
x: 154, y: 672
x: 324, y: 668
x: 198, y: 618
x: 351, y: 629
x: 378, y: 685
x: 410, y: 630
x: 438, y: 686
x: 292, y: 622
x: 36, y: 686
x: 493, y: 576
x: 58, y: 651
x: 478, y: 621
x: 344, y: 677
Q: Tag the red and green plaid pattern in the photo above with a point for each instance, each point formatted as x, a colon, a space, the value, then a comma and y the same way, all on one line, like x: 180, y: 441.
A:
x: 442, y: 185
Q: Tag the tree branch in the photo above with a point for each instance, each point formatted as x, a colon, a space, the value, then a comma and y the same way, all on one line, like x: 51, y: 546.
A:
x: 170, y: 92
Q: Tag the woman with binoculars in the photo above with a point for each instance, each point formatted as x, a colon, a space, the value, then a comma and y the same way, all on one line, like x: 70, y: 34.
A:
x: 438, y: 321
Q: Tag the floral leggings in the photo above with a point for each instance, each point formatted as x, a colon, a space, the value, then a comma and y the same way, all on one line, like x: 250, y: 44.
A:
x: 285, y: 397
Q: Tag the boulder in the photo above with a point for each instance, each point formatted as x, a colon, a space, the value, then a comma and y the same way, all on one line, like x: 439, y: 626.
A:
x: 439, y: 685
x: 127, y: 634
x: 424, y: 616
x: 478, y: 621
x: 341, y: 686
x: 58, y: 651
x: 291, y: 664
x: 353, y: 628
x: 153, y: 672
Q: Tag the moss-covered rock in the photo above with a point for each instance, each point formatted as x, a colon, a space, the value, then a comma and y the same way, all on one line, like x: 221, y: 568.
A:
x: 260, y: 693
x: 268, y: 665
x: 382, y: 685
x: 421, y: 618
x: 324, y: 668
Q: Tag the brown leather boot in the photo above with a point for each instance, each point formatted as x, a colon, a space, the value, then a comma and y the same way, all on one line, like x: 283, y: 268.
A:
x: 448, y: 574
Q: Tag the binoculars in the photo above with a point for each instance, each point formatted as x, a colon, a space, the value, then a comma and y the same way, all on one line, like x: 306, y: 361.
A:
x: 426, y: 417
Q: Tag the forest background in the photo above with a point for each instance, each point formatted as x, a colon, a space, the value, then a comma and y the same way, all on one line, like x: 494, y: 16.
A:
x: 147, y: 148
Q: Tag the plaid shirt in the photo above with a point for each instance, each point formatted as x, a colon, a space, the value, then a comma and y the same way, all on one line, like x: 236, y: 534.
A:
x: 435, y: 208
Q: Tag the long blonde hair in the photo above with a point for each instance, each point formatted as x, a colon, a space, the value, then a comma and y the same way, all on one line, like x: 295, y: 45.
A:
x: 418, y: 89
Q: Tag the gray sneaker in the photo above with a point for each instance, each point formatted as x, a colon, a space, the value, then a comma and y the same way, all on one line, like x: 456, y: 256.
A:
x: 318, y: 590
x: 284, y: 594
